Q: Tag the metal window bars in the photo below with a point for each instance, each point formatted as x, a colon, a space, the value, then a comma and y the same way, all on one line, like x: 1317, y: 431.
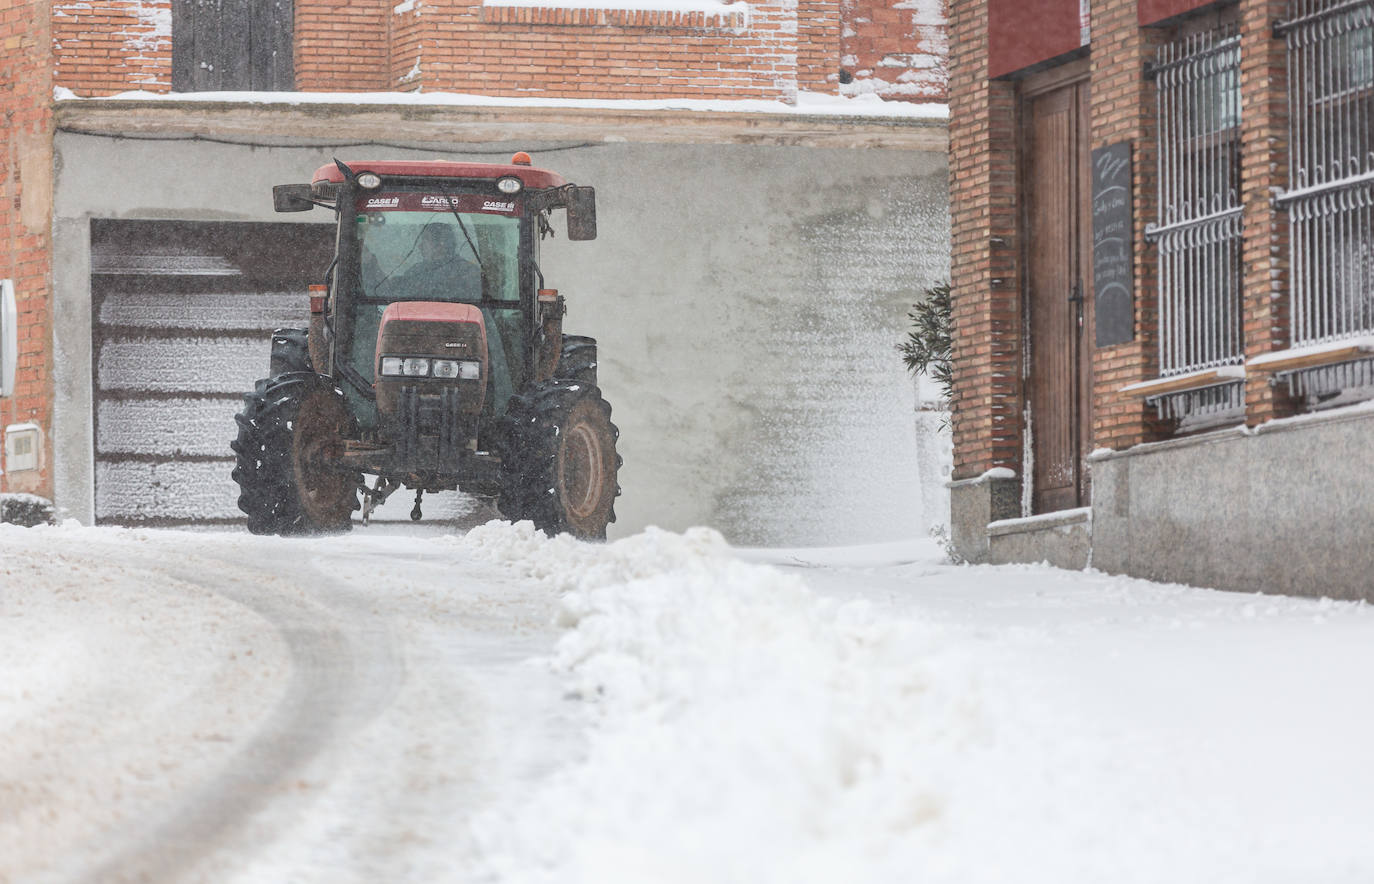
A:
x: 1197, y: 83
x: 1330, y: 200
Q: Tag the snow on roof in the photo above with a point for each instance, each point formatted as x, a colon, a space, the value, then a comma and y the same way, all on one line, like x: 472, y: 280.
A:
x: 808, y: 103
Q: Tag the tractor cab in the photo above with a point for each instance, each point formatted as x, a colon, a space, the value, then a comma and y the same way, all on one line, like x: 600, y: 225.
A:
x: 436, y: 333
x: 440, y: 232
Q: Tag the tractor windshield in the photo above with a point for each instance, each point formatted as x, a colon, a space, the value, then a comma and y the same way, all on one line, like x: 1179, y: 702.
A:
x: 436, y: 246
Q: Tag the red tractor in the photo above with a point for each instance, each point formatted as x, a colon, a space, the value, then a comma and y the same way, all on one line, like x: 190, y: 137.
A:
x: 435, y: 357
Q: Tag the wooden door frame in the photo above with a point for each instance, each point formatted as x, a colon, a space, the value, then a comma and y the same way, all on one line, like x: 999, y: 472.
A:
x: 1077, y: 71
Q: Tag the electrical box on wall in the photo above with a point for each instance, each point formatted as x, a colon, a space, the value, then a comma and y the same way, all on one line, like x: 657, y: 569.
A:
x: 23, y: 448
x: 9, y: 337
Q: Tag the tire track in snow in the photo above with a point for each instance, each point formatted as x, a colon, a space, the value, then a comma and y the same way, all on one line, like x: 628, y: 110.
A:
x: 342, y: 675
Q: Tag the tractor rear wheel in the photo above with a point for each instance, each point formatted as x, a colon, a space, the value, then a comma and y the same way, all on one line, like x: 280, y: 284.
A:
x: 558, y: 459
x: 291, y: 433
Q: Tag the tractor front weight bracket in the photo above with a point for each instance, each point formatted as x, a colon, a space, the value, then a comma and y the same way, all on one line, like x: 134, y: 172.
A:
x: 373, y: 497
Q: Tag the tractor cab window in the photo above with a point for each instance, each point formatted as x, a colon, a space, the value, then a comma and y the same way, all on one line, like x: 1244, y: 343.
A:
x: 428, y: 246
x: 438, y: 247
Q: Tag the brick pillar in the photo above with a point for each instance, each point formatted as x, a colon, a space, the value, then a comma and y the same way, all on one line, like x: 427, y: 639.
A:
x: 342, y: 47
x: 985, y: 285
x: 984, y: 271
x: 26, y: 165
x: 818, y: 45
x: 1123, y: 109
x: 405, y: 50
x: 1263, y: 170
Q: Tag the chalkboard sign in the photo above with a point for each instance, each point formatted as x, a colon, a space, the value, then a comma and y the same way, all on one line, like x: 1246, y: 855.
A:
x: 1113, y: 279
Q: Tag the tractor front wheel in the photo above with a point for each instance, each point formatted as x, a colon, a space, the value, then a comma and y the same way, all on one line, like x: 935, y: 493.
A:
x: 558, y: 460
x: 288, y: 449
x: 577, y: 359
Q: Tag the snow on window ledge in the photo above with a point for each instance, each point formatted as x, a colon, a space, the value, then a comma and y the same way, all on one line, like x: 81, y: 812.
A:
x: 698, y: 14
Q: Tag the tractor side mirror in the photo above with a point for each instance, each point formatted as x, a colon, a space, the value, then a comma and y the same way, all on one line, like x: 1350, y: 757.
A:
x: 292, y: 198
x: 582, y: 213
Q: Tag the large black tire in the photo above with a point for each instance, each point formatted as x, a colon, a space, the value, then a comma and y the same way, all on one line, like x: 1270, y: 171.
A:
x: 291, y: 432
x: 290, y: 351
x: 558, y: 459
x: 577, y: 360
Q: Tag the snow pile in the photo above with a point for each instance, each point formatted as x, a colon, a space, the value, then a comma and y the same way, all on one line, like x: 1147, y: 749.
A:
x: 747, y: 730
x: 922, y: 722
x: 567, y: 564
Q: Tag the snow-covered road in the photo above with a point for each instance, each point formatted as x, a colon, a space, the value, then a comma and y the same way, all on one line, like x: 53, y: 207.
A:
x: 504, y: 706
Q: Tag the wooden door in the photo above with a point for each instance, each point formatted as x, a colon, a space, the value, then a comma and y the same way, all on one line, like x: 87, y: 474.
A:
x: 230, y: 45
x: 1056, y: 224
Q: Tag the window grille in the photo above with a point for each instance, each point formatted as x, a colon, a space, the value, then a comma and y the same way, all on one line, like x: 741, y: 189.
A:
x: 1330, y: 200
x: 1197, y: 83
x: 1197, y: 91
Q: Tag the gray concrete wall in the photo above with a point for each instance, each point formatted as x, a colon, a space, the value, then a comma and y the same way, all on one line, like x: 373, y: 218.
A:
x: 1288, y: 508
x: 747, y: 298
x: 1062, y: 539
x: 973, y: 503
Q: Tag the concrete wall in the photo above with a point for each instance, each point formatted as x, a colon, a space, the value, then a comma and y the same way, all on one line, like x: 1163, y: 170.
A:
x: 747, y: 299
x: 1284, y: 508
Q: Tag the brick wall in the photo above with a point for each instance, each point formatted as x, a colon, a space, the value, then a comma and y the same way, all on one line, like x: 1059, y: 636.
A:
x: 1123, y: 109
x: 112, y: 46
x: 587, y: 53
x: 1263, y: 169
x: 819, y: 30
x: 892, y: 48
x: 26, y: 219
x: 983, y: 207
x: 984, y: 263
x: 343, y: 47
x: 896, y: 49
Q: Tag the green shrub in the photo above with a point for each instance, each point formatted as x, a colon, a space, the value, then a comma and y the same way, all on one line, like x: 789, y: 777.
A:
x: 928, y: 344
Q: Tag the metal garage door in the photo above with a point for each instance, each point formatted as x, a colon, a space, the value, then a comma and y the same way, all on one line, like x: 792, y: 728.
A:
x: 182, y: 316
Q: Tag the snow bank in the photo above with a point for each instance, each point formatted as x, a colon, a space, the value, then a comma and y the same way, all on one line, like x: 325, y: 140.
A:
x: 747, y: 730
x: 927, y: 723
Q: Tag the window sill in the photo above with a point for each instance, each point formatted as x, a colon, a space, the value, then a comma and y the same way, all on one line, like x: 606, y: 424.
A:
x: 1313, y: 357
x: 1196, y: 380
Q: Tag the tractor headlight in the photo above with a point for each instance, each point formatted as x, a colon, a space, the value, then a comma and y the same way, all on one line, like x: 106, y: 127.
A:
x: 510, y: 184
x: 450, y: 368
x: 405, y: 366
x: 369, y: 180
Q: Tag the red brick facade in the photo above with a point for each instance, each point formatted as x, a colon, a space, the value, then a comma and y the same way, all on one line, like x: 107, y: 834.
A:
x: 588, y: 53
x: 895, y: 50
x: 1263, y: 171
x: 985, y: 209
x: 1123, y: 109
x: 348, y: 45
x: 26, y: 219
x: 113, y: 46
x: 984, y: 263
x: 767, y: 50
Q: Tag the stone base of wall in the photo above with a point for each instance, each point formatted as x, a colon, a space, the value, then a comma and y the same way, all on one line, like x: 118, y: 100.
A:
x: 1287, y: 507
x: 1062, y: 539
x: 973, y: 503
